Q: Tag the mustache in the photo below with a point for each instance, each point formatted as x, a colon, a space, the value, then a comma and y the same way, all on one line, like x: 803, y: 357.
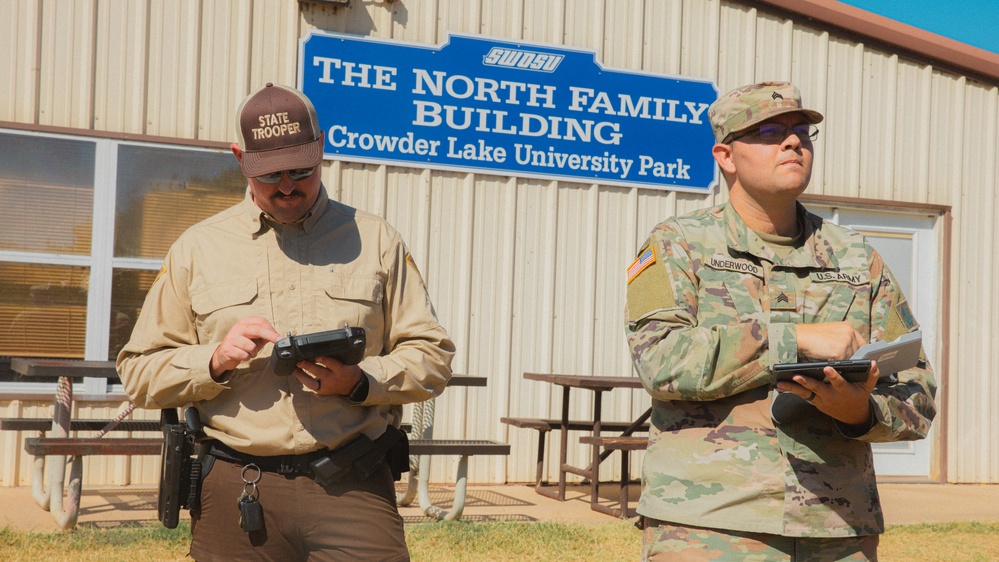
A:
x: 294, y: 193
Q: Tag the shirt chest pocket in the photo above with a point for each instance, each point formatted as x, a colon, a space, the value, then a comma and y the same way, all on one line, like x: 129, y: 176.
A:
x: 356, y: 300
x: 833, y: 300
x: 726, y: 298
x: 217, y: 308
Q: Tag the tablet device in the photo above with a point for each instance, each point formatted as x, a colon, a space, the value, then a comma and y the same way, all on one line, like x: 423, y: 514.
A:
x: 897, y: 355
x: 853, y: 370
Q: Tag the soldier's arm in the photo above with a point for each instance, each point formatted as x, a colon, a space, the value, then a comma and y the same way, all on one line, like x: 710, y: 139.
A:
x: 902, y: 410
x: 677, y: 358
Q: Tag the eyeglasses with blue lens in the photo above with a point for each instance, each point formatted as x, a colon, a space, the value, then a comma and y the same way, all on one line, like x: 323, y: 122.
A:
x: 296, y: 175
x: 776, y: 132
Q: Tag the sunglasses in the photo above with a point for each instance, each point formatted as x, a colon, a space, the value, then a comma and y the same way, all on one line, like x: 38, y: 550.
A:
x: 775, y: 132
x: 295, y: 175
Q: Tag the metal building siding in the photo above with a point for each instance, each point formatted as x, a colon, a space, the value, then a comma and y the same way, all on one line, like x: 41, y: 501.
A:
x: 174, y: 51
x: 225, y: 65
x: 911, y: 133
x: 66, y: 69
x: 19, y: 52
x: 973, y: 392
x: 944, y: 159
x: 528, y: 275
x: 878, y: 115
x: 662, y: 48
x: 274, y: 34
x: 120, y: 66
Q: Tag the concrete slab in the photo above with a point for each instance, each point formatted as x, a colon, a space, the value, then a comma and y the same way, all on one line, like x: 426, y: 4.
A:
x: 111, y: 507
x: 906, y: 504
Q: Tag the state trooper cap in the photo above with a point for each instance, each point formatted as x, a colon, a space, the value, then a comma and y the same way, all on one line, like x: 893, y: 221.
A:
x: 277, y: 129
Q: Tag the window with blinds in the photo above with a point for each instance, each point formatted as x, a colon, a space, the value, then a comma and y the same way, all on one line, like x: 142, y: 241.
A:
x: 46, y: 194
x: 50, y: 243
x: 163, y: 191
x: 43, y: 310
x: 46, y: 207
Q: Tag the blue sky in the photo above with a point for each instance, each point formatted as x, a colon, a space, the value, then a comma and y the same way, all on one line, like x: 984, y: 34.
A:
x: 970, y: 21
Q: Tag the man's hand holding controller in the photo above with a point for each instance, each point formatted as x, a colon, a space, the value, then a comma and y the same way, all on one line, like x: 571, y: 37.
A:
x: 325, y: 363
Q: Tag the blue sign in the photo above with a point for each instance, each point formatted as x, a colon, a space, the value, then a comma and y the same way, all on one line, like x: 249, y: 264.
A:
x: 504, y: 107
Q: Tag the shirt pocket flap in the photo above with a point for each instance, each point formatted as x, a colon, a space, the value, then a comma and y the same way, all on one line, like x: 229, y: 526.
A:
x: 223, y: 296
x: 355, y: 288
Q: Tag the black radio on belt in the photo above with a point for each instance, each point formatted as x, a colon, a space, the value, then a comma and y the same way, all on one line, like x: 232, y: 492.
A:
x: 345, y: 345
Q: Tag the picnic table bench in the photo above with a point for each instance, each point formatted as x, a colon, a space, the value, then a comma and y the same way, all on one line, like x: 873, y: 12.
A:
x: 45, y: 424
x: 616, y: 443
x: 422, y: 446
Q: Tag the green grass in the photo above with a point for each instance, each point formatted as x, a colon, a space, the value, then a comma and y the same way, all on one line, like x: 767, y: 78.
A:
x: 941, y: 542
x: 500, y: 541
x: 506, y: 541
x: 146, y: 542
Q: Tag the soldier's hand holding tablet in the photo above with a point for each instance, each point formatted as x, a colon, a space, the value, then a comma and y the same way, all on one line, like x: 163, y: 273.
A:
x: 840, y: 389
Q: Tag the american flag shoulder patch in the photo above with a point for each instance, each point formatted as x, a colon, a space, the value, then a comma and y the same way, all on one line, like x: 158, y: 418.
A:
x: 644, y: 260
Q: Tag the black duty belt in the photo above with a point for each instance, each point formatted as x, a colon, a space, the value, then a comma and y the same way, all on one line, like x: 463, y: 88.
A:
x: 360, y: 456
x: 294, y: 465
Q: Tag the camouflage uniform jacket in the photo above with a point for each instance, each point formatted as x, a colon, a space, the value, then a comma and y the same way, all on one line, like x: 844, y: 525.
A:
x: 710, y: 308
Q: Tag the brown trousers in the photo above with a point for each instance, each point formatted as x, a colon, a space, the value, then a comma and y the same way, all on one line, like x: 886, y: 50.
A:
x: 352, y: 520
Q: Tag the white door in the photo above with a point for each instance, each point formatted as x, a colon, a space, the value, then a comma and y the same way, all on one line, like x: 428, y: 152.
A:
x: 908, y: 244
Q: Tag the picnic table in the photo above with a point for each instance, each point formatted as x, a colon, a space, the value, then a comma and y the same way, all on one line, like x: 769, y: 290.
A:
x: 602, y: 445
x: 65, y: 509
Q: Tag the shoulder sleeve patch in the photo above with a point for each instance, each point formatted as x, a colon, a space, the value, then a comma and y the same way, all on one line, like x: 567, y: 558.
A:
x: 900, y: 321
x: 412, y: 263
x: 649, y: 285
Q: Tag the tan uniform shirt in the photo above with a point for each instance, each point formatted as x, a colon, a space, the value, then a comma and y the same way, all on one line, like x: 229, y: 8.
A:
x: 337, y: 265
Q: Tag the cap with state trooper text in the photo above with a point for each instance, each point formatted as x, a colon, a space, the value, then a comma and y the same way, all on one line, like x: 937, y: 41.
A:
x: 749, y: 105
x: 277, y: 129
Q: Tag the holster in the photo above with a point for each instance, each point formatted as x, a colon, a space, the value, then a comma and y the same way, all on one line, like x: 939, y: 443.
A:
x: 362, y: 456
x: 181, y: 471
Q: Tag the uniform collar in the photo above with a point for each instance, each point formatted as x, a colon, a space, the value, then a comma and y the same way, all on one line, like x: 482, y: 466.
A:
x: 815, y: 251
x: 257, y: 221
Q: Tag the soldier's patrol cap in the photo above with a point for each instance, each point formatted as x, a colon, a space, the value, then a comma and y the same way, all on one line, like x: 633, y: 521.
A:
x: 750, y: 105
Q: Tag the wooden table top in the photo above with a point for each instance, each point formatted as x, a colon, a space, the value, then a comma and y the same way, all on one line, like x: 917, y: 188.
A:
x: 76, y: 368
x: 54, y: 368
x: 466, y: 380
x: 592, y: 382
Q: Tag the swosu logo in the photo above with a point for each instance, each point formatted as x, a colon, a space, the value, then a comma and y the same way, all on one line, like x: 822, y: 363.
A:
x: 519, y: 58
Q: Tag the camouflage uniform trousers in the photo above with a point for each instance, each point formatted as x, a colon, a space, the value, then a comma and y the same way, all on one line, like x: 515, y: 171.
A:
x: 663, y: 541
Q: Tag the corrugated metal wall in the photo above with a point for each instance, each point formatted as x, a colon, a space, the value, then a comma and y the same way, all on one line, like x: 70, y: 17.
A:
x: 528, y: 275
